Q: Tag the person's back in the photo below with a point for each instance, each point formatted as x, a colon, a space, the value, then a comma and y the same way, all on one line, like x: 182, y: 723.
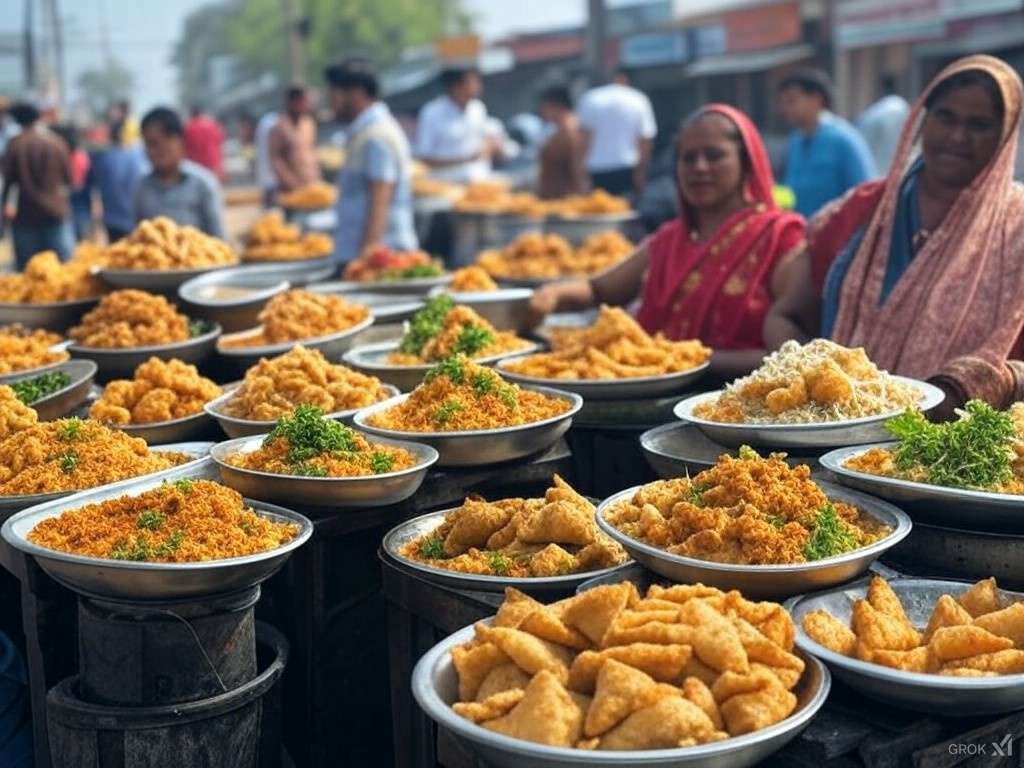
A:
x: 115, y: 173
x: 881, y: 124
x: 619, y: 127
x: 265, y: 177
x: 204, y: 139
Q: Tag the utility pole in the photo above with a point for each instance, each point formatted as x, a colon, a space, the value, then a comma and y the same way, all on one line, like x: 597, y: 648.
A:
x: 293, y: 31
x: 596, y: 34
x: 28, y: 49
x: 58, y: 49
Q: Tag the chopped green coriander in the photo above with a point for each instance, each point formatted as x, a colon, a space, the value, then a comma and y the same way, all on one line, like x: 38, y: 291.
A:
x: 829, y: 535
x: 472, y: 339
x: 150, y: 519
x: 426, y: 324
x: 68, y: 462
x: 381, y: 462
x: 309, y: 434
x: 445, y: 412
x: 453, y: 367
x: 432, y: 548
x: 70, y: 429
x: 170, y: 544
x: 32, y: 390
x: 499, y: 563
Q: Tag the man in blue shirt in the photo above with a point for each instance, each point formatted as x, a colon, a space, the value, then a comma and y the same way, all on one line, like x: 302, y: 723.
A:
x: 375, y: 200
x: 115, y: 171
x: 825, y: 155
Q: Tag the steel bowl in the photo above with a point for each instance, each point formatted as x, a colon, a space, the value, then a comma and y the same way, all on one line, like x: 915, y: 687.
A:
x: 415, y: 286
x: 332, y: 345
x: 121, y: 363
x: 435, y: 685
x: 66, y: 399
x: 767, y: 581
x: 371, y: 359
x: 932, y: 550
x: 506, y: 308
x: 56, y: 316
x: 412, y: 529
x: 485, y: 446
x: 934, y: 504
x: 30, y: 372
x: 867, y: 429
x: 154, y: 280
x: 236, y: 427
x: 173, y: 431
x: 200, y: 450
x: 334, y: 492
x: 678, y: 449
x: 640, y: 387
x: 386, y: 307
x: 143, y: 581
x: 576, y: 229
x: 939, y: 694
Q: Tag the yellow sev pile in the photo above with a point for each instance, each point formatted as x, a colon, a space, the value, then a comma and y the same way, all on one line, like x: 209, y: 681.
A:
x: 184, y: 521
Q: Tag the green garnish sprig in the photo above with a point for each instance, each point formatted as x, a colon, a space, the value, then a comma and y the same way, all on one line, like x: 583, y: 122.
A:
x: 426, y: 324
x: 472, y: 339
x: 32, y: 390
x: 830, y: 536
x: 309, y: 435
x: 445, y: 411
x: 420, y: 270
x: 70, y: 429
x: 973, y: 452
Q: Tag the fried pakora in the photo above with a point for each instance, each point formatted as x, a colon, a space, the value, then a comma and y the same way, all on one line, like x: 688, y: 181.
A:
x: 160, y: 244
x: 979, y: 633
x: 14, y: 414
x: 458, y: 395
x: 748, y: 510
x: 22, y: 349
x: 185, y: 521
x: 471, y: 279
x: 563, y: 675
x: 311, y: 197
x: 298, y: 315
x: 820, y: 381
x: 520, y: 538
x: 159, y: 391
x: 614, y: 347
x: 271, y: 239
x: 537, y: 256
x: 46, y: 280
x: 131, y: 318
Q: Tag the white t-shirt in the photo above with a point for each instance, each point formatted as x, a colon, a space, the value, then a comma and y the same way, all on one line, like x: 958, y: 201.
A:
x: 265, y: 175
x: 881, y: 125
x: 445, y: 132
x: 617, y: 117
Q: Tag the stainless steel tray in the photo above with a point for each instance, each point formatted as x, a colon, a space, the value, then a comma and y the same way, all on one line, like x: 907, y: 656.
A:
x: 57, y: 316
x: 142, y: 581
x: 236, y: 427
x: 66, y: 399
x: 386, y: 307
x: 507, y: 309
x: 678, y: 449
x: 417, y: 286
x: 486, y: 446
x: 198, y: 296
x: 767, y: 581
x: 956, y: 507
x: 121, y: 363
x: 173, y: 431
x: 332, y: 345
x: 932, y: 550
x: 200, y: 450
x: 954, y: 696
x: 153, y: 280
x: 576, y: 229
x: 335, y: 492
x: 615, y: 389
x: 412, y: 529
x: 435, y: 685
x: 867, y: 429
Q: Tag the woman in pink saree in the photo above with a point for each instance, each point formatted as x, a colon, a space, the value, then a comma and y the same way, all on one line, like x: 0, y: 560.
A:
x: 925, y: 268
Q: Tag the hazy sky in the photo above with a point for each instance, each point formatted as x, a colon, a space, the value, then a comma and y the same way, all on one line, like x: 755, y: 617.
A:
x: 142, y: 33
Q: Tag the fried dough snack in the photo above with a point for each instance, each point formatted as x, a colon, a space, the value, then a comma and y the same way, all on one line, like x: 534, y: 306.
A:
x: 182, y: 522
x: 271, y: 239
x: 979, y: 633
x: 71, y: 455
x: 311, y: 197
x: 46, y: 280
x: 275, y: 387
x: 458, y: 395
x: 614, y: 347
x: 819, y: 381
x: 161, y: 244
x: 597, y: 203
x: 22, y: 349
x: 522, y: 538
x: 533, y: 255
x: 14, y: 414
x: 471, y: 279
x: 610, y: 670
x: 297, y: 315
x: 745, y: 510
x: 159, y: 391
x: 131, y: 318
x: 481, y: 340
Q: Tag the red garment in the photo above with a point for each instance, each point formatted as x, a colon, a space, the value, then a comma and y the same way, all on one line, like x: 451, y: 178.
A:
x: 718, y: 291
x: 832, y: 227
x: 79, y: 168
x: 204, y: 140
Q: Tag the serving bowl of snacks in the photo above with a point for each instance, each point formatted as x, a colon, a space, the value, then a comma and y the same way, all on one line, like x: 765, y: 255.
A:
x: 310, y: 459
x: 272, y: 240
x: 156, y: 543
x: 29, y: 352
x: 51, y: 294
x: 945, y: 647
x: 817, y: 395
x: 790, y: 535
x: 472, y: 416
x: 533, y: 259
x: 600, y: 363
x: 715, y: 680
x: 57, y: 392
x: 384, y: 270
x: 536, y: 545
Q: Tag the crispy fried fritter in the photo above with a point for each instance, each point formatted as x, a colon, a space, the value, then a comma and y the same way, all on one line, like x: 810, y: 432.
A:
x: 159, y: 391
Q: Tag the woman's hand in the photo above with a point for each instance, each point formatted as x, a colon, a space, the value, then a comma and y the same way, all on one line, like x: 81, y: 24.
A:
x: 543, y: 302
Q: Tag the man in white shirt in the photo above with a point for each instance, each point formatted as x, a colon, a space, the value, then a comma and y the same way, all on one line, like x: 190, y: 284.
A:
x: 617, y: 128
x: 882, y: 123
x: 452, y: 130
x: 264, y: 169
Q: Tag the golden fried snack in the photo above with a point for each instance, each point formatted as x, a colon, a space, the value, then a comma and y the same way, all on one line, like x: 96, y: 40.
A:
x: 311, y: 197
x: 159, y: 391
x: 462, y: 330
x: 161, y: 244
x: 271, y: 239
x: 184, y: 521
x: 1008, y: 622
x: 46, y: 280
x: 878, y: 631
x: 274, y: 387
x: 494, y: 706
x: 297, y: 315
x: 752, y: 701
x: 919, y: 659
x: 815, y: 382
x: 826, y: 629
x: 614, y: 347
x: 546, y: 714
x: 471, y: 279
x: 533, y: 255
x: 131, y: 318
x: 14, y: 414
x: 1009, y: 661
x: 530, y: 653
x: 946, y: 613
x: 955, y: 643
x: 597, y: 203
x: 983, y: 597
x: 22, y: 349
x: 504, y: 677
x: 473, y: 664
